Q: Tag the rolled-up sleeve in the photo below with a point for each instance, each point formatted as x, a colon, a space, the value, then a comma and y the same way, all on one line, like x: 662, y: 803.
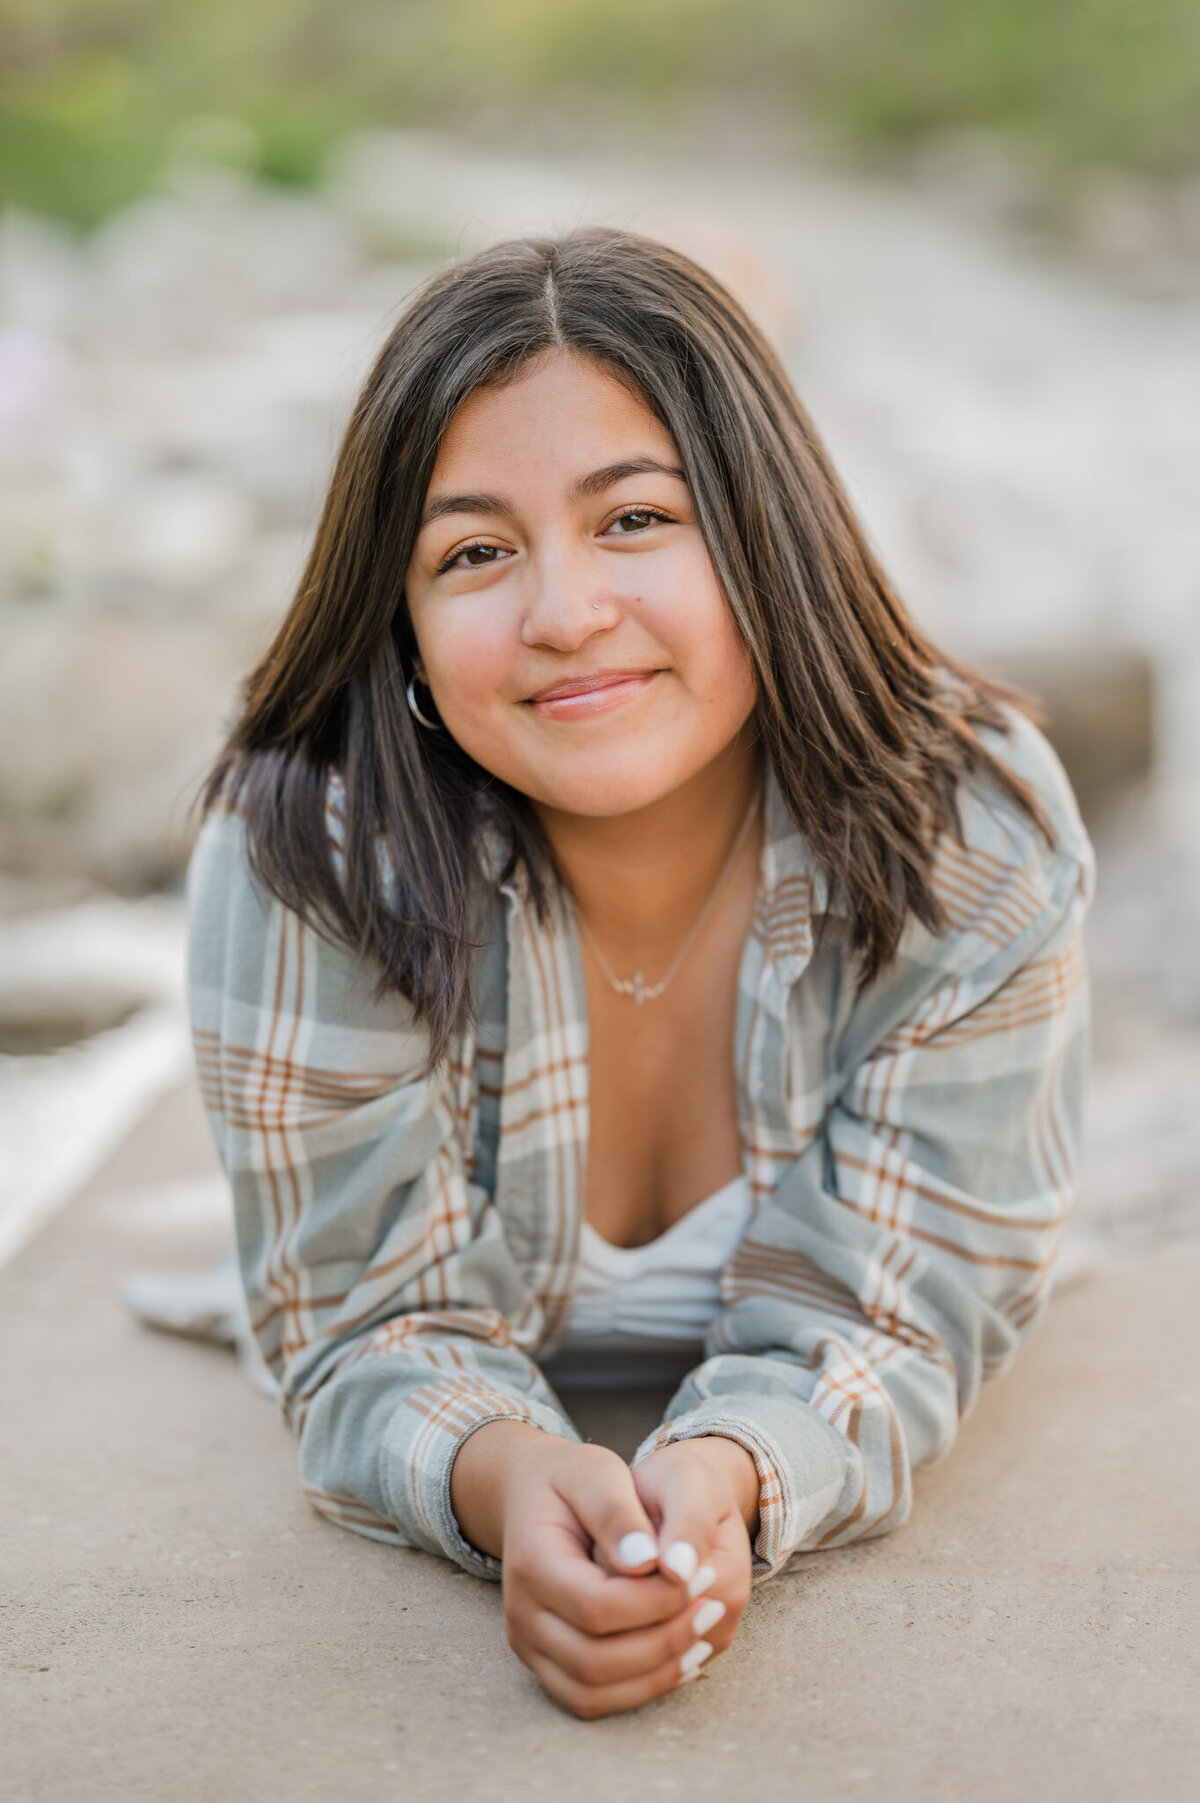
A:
x: 379, y: 1283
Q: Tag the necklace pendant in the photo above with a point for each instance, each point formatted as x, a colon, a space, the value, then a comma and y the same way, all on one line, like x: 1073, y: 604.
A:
x: 635, y: 985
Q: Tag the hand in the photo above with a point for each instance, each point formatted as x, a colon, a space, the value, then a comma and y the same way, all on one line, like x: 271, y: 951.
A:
x: 572, y: 1534
x: 702, y: 1496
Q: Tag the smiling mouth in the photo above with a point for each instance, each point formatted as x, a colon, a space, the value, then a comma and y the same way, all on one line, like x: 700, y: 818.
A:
x: 584, y: 696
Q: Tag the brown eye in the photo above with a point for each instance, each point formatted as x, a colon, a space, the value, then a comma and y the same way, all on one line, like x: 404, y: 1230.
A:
x: 470, y: 557
x: 636, y: 519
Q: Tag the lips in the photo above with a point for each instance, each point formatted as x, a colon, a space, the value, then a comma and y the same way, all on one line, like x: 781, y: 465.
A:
x: 580, y: 697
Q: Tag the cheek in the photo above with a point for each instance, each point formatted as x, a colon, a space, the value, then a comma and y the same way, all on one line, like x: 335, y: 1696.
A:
x: 466, y: 654
x: 733, y: 694
x: 691, y: 619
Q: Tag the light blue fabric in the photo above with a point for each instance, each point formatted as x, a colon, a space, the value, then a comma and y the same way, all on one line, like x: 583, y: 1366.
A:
x: 408, y: 1242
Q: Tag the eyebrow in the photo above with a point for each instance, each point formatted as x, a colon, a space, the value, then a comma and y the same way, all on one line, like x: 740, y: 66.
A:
x: 594, y: 483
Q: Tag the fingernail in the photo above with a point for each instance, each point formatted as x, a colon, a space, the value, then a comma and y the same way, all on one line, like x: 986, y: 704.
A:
x: 707, y: 1616
x: 682, y: 1559
x: 686, y: 1679
x: 636, y: 1549
x: 695, y: 1656
x: 706, y: 1576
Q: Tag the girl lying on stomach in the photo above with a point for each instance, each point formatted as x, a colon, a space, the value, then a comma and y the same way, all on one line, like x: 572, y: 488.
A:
x: 623, y: 943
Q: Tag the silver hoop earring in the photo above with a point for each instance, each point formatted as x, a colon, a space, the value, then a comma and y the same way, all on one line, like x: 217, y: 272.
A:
x: 421, y: 719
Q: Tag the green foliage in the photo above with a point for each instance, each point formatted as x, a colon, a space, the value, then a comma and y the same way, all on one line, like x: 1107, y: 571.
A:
x: 96, y: 91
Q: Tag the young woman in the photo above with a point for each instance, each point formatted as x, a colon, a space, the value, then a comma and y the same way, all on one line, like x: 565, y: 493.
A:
x: 622, y: 940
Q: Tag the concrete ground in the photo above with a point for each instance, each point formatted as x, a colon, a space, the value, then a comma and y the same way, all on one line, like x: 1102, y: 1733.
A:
x: 179, y: 1627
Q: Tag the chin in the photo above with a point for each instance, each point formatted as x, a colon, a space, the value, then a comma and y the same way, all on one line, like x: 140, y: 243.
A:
x: 623, y: 786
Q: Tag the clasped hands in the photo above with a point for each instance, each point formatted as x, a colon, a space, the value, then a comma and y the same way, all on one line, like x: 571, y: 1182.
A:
x: 618, y: 1584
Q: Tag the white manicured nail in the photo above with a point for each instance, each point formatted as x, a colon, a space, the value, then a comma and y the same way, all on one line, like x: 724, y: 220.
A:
x: 686, y: 1679
x: 695, y: 1656
x: 705, y: 1577
x: 636, y: 1549
x: 707, y: 1616
x: 682, y: 1558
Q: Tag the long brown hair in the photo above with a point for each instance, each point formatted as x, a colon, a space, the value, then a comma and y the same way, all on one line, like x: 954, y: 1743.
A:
x: 869, y: 728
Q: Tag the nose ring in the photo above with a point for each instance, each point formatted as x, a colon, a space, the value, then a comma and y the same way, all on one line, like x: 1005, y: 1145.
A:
x: 596, y: 605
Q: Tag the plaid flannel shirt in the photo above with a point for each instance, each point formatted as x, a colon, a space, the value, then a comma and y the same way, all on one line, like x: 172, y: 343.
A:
x: 408, y: 1241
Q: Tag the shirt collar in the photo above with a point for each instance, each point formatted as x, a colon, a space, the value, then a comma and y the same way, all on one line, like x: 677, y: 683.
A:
x: 793, y: 888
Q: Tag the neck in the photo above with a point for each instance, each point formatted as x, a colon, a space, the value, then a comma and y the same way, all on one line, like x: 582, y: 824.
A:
x: 641, y: 879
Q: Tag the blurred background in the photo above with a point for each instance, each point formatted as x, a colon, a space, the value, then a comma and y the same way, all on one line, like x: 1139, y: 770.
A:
x: 971, y: 226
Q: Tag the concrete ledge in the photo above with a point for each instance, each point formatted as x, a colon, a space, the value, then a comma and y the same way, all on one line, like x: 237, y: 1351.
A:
x: 178, y: 1626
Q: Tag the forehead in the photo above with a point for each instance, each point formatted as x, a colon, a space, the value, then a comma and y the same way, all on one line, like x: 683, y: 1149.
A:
x: 562, y: 410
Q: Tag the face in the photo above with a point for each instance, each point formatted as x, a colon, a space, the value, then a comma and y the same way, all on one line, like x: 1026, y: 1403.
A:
x: 568, y: 619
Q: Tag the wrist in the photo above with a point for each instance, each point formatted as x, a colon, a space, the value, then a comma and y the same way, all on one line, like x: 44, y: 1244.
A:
x: 733, y: 1463
x: 483, y: 1475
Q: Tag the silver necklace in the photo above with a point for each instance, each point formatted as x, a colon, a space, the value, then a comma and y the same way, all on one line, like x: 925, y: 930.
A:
x: 636, y: 985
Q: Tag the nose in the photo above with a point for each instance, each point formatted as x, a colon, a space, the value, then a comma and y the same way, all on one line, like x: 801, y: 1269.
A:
x: 567, y: 604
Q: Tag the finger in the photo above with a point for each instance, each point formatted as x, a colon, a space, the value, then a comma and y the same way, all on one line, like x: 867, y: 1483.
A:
x: 614, y: 1658
x: 554, y: 1572
x: 707, y: 1618
x: 717, y: 1614
x: 685, y: 1535
x: 609, y: 1509
x: 589, y: 1702
x: 704, y: 1580
x: 686, y: 1501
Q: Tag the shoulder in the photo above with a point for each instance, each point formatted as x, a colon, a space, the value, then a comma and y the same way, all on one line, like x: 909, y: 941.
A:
x: 221, y: 877
x: 222, y: 873
x: 249, y: 953
x: 1013, y: 894
x: 1025, y: 750
x: 1005, y: 872
x: 1013, y: 898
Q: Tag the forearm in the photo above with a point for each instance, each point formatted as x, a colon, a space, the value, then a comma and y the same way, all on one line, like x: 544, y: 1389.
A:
x: 386, y: 1433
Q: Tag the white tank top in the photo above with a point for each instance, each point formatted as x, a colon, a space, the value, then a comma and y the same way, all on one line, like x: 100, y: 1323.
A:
x: 638, y: 1313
